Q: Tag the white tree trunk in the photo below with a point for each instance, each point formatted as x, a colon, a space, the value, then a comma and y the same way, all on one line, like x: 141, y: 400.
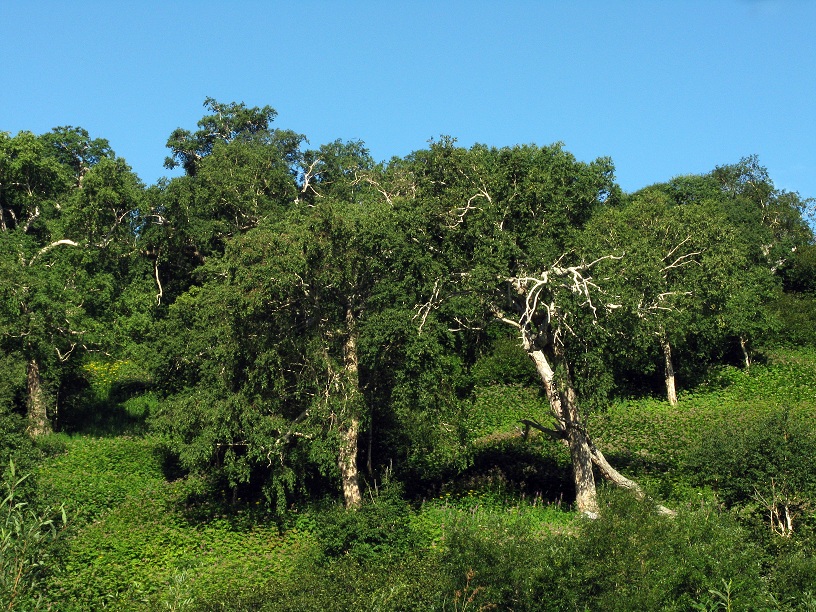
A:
x: 350, y: 420
x: 347, y: 462
x: 746, y: 355
x: 38, y: 423
x: 568, y: 421
x: 584, y: 454
x: 671, y: 389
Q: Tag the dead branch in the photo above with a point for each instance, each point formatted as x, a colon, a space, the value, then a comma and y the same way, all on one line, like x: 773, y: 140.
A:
x: 160, y: 294
x: 425, y: 309
x: 461, y: 212
x: 53, y: 245
x: 308, y: 174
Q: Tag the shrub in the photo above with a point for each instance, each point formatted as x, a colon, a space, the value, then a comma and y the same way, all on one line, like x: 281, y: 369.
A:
x: 506, y: 562
x: 17, y: 446
x: 380, y: 528
x: 631, y: 558
x: 754, y: 457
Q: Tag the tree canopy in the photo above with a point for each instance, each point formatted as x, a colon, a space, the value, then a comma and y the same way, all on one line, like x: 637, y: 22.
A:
x: 310, y: 316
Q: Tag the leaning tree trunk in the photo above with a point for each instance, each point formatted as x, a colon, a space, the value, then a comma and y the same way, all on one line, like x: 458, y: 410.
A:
x: 568, y: 421
x: 569, y: 428
x: 350, y: 420
x: 38, y: 423
x: 671, y: 389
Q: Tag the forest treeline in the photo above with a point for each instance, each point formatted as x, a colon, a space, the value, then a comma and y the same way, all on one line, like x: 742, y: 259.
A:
x: 307, y: 318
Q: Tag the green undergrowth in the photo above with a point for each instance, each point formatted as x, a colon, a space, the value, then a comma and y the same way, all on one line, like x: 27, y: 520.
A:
x: 771, y: 405
x: 497, y: 536
x: 136, y: 544
x: 92, y: 476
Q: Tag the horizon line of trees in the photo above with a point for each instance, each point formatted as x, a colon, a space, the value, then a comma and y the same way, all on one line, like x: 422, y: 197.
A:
x: 309, y: 316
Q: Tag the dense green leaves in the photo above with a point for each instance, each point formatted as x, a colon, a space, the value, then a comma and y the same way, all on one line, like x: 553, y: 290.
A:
x: 296, y: 323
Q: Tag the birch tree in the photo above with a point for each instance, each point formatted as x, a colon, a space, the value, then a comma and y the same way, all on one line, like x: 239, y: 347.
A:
x: 65, y: 204
x: 498, y: 229
x: 286, y: 398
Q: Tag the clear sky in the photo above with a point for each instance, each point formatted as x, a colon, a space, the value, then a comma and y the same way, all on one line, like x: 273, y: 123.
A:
x: 663, y: 87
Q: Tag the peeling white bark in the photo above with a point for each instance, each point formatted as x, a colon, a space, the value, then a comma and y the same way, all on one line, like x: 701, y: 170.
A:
x: 350, y: 422
x: 671, y: 389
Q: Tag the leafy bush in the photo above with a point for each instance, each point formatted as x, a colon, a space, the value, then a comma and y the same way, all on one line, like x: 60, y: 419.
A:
x: 753, y: 456
x: 793, y: 580
x: 379, y: 529
x: 506, y: 562
x: 17, y: 446
x: 631, y: 558
x: 797, y: 313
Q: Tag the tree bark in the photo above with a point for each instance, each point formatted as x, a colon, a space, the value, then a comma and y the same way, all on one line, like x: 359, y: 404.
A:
x: 618, y: 479
x: 350, y: 421
x: 745, y: 354
x: 347, y: 461
x: 568, y: 421
x: 38, y: 423
x: 583, y: 452
x: 671, y: 389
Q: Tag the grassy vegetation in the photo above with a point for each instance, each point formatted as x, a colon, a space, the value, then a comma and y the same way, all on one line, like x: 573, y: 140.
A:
x: 733, y: 455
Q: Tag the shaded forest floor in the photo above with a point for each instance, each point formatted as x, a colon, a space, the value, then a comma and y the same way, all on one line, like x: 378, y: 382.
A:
x: 736, y: 452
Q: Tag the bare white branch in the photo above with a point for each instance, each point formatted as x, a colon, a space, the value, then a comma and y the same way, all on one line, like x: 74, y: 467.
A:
x: 425, y: 309
x: 53, y: 245
x: 160, y: 293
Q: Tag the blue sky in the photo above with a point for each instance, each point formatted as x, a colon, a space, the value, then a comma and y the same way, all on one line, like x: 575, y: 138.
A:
x: 663, y: 87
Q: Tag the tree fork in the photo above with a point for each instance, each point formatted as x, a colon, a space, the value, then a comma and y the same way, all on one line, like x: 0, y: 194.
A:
x: 599, y: 460
x: 583, y: 452
x: 586, y: 497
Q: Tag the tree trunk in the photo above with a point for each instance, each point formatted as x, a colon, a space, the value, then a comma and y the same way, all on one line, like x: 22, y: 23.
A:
x: 568, y: 421
x: 745, y: 354
x: 671, y: 390
x: 615, y: 477
x: 347, y: 461
x: 37, y: 414
x: 350, y: 420
x: 584, y: 454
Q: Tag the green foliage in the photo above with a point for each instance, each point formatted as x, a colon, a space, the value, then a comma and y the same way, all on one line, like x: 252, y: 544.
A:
x: 132, y: 558
x: 635, y: 559
x: 797, y: 314
x: 498, y: 409
x: 757, y: 457
x: 172, y: 545
x: 109, y: 397
x: 229, y: 122
x: 272, y: 299
x: 793, y: 578
x: 15, y: 444
x: 799, y: 274
x: 134, y: 534
x: 509, y: 560
x: 26, y: 536
x: 68, y: 224
x: 95, y: 475
x: 505, y: 364
x: 12, y: 381
x: 380, y: 530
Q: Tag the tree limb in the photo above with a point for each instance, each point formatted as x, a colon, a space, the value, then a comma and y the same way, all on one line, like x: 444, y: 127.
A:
x: 53, y: 245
